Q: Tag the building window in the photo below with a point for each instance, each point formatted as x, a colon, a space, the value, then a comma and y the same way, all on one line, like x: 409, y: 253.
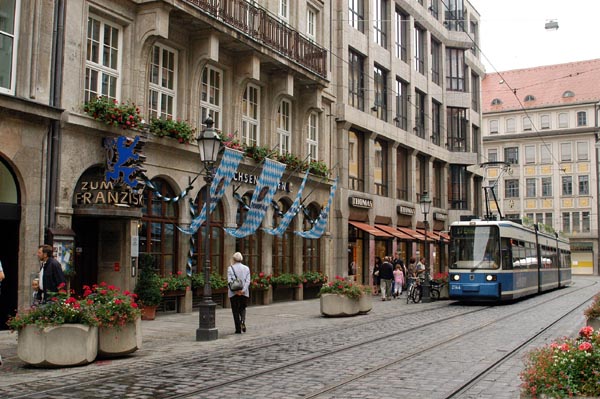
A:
x: 582, y: 118
x: 546, y: 153
x: 249, y: 246
x: 103, y: 59
x: 419, y: 49
x: 475, y: 92
x: 380, y: 76
x: 356, y: 10
x: 455, y: 69
x: 402, y: 21
x: 575, y: 220
x: 401, y: 118
x: 527, y: 124
x: 546, y: 187
x: 402, y: 173
x: 492, y: 155
x: 454, y: 15
x: 529, y: 98
x: 511, y: 155
x: 496, y: 101
x: 379, y: 27
x: 163, y: 81
x: 380, y: 168
x: 567, y: 185
x: 510, y: 125
x: 565, y: 152
x: 459, y: 187
x: 311, y: 23
x: 283, y: 247
x: 211, y: 96
x: 436, y: 122
x: 530, y: 188
x: 355, y: 161
x: 494, y: 126
x: 474, y: 28
x: 434, y: 8
x: 251, y: 115
x: 420, y: 114
x: 157, y: 233
x: 582, y: 151
x: 9, y: 35
x: 456, y: 127
x: 356, y: 82
x: 548, y: 219
x: 436, y: 61
x: 566, y: 222
x: 421, y: 175
x: 284, y: 9
x: 585, y: 222
x: 568, y: 94
x: 539, y: 217
x: 529, y: 154
x: 284, y: 126
x: 312, y: 137
x: 584, y: 185
x: 511, y: 188
x: 311, y: 249
x: 545, y: 121
x: 563, y: 120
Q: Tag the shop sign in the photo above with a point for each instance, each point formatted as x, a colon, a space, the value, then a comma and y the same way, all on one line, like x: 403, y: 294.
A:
x: 361, y: 202
x: 100, y: 192
x: 440, y: 216
x: 252, y: 179
x: 405, y: 210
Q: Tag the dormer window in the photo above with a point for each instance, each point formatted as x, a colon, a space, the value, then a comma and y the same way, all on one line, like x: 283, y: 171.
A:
x: 529, y: 97
x: 568, y: 94
x: 496, y: 101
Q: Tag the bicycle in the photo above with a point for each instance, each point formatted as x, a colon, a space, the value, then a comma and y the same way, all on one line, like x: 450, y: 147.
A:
x: 415, y: 290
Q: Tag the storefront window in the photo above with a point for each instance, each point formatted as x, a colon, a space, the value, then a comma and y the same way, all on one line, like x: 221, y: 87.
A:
x: 216, y: 238
x: 283, y: 247
x: 311, y: 249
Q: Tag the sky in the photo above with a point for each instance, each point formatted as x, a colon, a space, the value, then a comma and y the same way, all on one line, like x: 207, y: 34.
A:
x: 513, y: 36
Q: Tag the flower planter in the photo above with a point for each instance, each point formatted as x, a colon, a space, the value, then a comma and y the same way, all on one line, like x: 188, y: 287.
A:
x: 334, y: 305
x: 121, y: 340
x: 283, y: 293
x: 148, y: 312
x: 365, y: 304
x: 311, y: 290
x: 259, y: 297
x: 58, y: 346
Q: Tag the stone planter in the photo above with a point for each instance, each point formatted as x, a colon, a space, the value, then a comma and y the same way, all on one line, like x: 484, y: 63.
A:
x: 334, y: 305
x: 594, y: 322
x: 59, y: 346
x: 365, y: 304
x: 120, y: 341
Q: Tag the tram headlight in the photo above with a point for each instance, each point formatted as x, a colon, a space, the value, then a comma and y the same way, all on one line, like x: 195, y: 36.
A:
x: 490, y: 277
x: 456, y: 277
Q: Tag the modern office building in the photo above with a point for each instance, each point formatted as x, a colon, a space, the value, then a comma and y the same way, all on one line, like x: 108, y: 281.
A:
x: 543, y: 122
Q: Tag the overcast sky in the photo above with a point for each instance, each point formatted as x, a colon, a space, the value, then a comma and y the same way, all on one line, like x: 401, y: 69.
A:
x: 513, y: 34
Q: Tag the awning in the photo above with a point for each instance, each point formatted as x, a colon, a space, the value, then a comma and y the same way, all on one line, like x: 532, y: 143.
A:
x: 430, y: 235
x: 370, y: 229
x: 393, y: 231
x: 413, y: 234
x: 445, y: 237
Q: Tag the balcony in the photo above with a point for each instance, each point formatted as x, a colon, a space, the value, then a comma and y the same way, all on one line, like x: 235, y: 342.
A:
x: 267, y: 30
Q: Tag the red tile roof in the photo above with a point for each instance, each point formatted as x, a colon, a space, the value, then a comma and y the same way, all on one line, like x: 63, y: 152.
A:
x: 546, y: 83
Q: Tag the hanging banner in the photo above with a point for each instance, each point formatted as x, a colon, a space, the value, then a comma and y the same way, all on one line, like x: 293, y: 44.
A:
x: 319, y: 227
x: 229, y: 163
x: 289, y: 215
x: 261, y: 199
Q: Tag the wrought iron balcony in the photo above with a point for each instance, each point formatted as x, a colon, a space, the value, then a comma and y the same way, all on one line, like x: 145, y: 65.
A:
x: 268, y: 30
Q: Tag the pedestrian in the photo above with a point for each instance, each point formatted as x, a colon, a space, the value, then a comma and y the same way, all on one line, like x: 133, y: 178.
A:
x: 411, y: 272
x: 51, y: 273
x: 395, y: 262
x: 36, y: 294
x: 399, y: 280
x: 421, y: 268
x: 239, y: 298
x: 386, y: 274
x: 376, y: 279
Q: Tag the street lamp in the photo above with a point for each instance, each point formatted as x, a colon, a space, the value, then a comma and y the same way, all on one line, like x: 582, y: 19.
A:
x: 425, y: 203
x: 209, y: 145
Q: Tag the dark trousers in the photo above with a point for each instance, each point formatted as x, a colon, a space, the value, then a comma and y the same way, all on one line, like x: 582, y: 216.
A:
x: 238, y: 308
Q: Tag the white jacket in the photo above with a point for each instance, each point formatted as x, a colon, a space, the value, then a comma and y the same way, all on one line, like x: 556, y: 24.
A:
x: 243, y: 273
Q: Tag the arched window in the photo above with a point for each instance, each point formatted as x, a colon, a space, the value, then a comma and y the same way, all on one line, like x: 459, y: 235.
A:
x: 283, y: 247
x: 248, y: 246
x: 568, y: 93
x: 311, y: 249
x: 157, y: 233
x: 496, y: 101
x: 216, y: 237
x: 529, y: 97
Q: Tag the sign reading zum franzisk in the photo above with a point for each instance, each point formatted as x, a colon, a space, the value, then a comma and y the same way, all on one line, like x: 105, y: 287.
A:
x: 361, y: 202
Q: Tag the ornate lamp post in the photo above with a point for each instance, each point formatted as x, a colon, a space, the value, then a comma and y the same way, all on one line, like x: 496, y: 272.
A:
x: 425, y: 203
x: 209, y: 145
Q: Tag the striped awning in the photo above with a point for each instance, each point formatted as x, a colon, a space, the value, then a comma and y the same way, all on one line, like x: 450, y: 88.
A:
x: 369, y: 229
x: 393, y: 231
x: 414, y: 234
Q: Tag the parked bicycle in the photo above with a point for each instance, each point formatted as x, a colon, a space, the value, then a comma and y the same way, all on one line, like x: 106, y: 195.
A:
x: 415, y: 290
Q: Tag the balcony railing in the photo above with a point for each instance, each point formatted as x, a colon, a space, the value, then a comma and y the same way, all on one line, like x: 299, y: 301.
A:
x: 267, y: 30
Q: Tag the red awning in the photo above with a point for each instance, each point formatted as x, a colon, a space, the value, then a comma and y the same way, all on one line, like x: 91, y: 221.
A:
x: 445, y: 237
x: 430, y: 235
x: 369, y: 229
x: 393, y: 231
x: 413, y: 234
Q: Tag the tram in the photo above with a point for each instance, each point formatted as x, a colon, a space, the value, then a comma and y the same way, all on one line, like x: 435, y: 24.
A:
x: 503, y: 260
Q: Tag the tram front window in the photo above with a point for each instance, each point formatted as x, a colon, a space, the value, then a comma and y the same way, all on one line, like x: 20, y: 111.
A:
x: 476, y: 247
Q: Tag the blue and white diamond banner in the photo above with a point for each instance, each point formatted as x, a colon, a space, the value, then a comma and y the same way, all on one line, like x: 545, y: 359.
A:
x: 319, y: 227
x: 229, y: 164
x: 261, y: 199
x: 289, y: 215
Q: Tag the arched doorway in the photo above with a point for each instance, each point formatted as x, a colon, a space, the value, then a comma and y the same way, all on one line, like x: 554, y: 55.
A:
x: 10, y: 216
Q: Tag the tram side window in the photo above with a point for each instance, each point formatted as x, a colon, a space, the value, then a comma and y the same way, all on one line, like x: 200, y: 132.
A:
x: 519, y: 254
x: 531, y: 255
x: 507, y: 263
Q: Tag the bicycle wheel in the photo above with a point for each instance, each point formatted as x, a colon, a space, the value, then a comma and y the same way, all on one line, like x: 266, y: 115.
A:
x: 435, y: 294
x: 409, y: 294
x: 416, y: 296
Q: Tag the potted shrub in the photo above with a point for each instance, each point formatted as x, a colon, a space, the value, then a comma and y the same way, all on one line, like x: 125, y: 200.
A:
x: 119, y: 318
x: 311, y: 283
x: 592, y: 313
x: 174, y: 282
x: 286, y: 287
x: 180, y: 130
x: 62, y: 332
x: 340, y: 297
x: 287, y: 280
x: 125, y: 115
x: 148, y: 288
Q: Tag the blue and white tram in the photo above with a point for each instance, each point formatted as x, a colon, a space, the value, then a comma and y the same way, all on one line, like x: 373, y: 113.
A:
x: 503, y: 260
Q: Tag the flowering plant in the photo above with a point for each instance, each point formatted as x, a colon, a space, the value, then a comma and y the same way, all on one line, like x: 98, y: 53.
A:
x: 567, y: 367
x: 440, y: 278
x: 289, y: 279
x: 318, y: 168
x: 230, y: 141
x: 61, y: 309
x: 216, y: 281
x: 260, y: 281
x: 180, y: 130
x: 126, y: 115
x: 112, y: 307
x: 341, y: 286
x: 593, y: 311
x: 175, y: 282
x: 313, y: 277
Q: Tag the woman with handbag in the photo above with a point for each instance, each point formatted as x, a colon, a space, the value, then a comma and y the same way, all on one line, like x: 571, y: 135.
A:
x: 238, y: 280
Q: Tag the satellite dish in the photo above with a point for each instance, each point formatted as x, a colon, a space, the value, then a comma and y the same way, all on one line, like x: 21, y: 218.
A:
x: 551, y: 24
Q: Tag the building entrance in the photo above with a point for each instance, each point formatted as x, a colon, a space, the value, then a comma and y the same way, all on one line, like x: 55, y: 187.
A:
x: 86, y: 253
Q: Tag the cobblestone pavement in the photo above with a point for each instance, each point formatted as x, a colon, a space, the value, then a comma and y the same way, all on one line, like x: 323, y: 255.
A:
x: 394, y: 337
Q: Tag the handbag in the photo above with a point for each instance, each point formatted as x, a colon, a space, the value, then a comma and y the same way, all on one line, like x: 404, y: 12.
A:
x: 236, y: 284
